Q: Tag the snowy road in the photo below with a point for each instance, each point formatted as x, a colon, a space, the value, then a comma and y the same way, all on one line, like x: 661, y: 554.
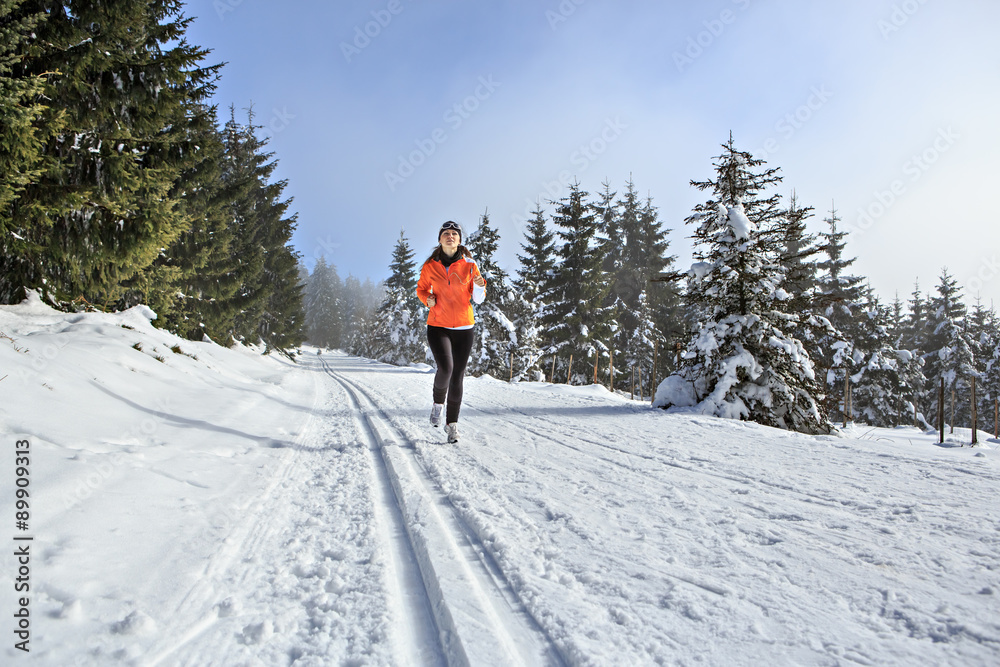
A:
x: 201, y: 506
x: 634, y: 536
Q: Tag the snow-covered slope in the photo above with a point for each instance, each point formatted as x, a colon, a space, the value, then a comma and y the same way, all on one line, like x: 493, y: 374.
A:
x: 191, y: 504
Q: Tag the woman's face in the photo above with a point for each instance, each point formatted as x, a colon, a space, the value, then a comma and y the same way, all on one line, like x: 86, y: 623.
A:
x: 450, y: 239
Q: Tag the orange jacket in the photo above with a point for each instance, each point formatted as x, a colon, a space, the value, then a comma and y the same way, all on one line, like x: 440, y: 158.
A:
x: 452, y: 289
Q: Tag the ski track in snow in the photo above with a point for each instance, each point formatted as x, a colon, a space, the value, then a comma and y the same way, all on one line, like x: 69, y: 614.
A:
x: 479, y: 617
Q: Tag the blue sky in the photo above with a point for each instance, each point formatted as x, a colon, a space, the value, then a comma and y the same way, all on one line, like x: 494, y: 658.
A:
x: 443, y: 110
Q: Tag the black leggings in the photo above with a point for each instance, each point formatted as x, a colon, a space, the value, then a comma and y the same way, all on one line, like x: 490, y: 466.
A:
x: 451, y: 348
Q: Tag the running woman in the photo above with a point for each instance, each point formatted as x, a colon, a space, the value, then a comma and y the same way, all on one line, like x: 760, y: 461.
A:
x: 449, y: 282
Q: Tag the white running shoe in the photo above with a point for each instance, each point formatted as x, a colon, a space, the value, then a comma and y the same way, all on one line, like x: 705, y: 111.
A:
x: 436, y: 412
x: 452, y: 431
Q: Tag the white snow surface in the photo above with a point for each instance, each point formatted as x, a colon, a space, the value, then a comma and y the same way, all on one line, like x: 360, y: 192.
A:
x: 220, y: 507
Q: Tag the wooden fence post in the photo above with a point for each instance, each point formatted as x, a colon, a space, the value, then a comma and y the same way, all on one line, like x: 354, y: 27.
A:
x: 975, y: 424
x: 597, y: 357
x: 847, y: 396
x: 652, y: 379
x: 569, y: 369
x: 552, y: 373
x: 611, y: 370
x: 941, y: 409
x: 952, y: 428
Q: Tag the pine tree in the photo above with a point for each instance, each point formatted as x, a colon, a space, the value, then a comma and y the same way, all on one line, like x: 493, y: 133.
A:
x: 915, y: 329
x: 107, y: 202
x: 27, y: 124
x: 200, y: 264
x: 577, y: 320
x: 400, y: 337
x: 739, y: 362
x: 885, y: 375
x: 991, y: 381
x: 324, y: 306
x: 798, y: 251
x: 360, y: 306
x: 949, y: 350
x: 984, y: 335
x: 840, y: 299
x: 534, y: 277
x: 538, y: 261
x: 496, y: 336
x: 269, y: 300
x: 636, y: 253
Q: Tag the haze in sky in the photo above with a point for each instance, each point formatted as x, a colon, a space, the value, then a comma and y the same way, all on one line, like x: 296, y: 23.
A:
x: 396, y: 114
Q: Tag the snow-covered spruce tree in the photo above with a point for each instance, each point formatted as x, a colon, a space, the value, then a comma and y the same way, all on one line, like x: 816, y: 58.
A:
x: 882, y: 386
x: 361, y: 303
x: 324, y: 306
x: 949, y: 351
x: 914, y: 330
x: 984, y: 335
x: 497, y: 341
x: 798, y: 259
x: 576, y: 319
x: 534, y: 275
x: 991, y: 385
x: 739, y: 363
x: 636, y: 252
x: 400, y: 336
x: 839, y: 298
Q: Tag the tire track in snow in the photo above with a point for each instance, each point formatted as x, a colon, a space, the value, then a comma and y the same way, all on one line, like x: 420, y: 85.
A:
x: 480, y: 618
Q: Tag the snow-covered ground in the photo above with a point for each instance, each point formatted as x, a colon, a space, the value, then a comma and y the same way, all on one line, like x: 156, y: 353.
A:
x: 193, y: 505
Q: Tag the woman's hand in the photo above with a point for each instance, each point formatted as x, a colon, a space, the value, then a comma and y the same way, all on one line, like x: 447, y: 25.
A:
x: 478, y: 279
x: 431, y: 301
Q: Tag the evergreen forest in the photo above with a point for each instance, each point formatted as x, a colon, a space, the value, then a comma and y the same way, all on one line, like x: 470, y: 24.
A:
x: 120, y: 186
x: 769, y: 324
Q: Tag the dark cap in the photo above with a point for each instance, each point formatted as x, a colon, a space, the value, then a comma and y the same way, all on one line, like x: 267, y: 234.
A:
x: 452, y: 225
